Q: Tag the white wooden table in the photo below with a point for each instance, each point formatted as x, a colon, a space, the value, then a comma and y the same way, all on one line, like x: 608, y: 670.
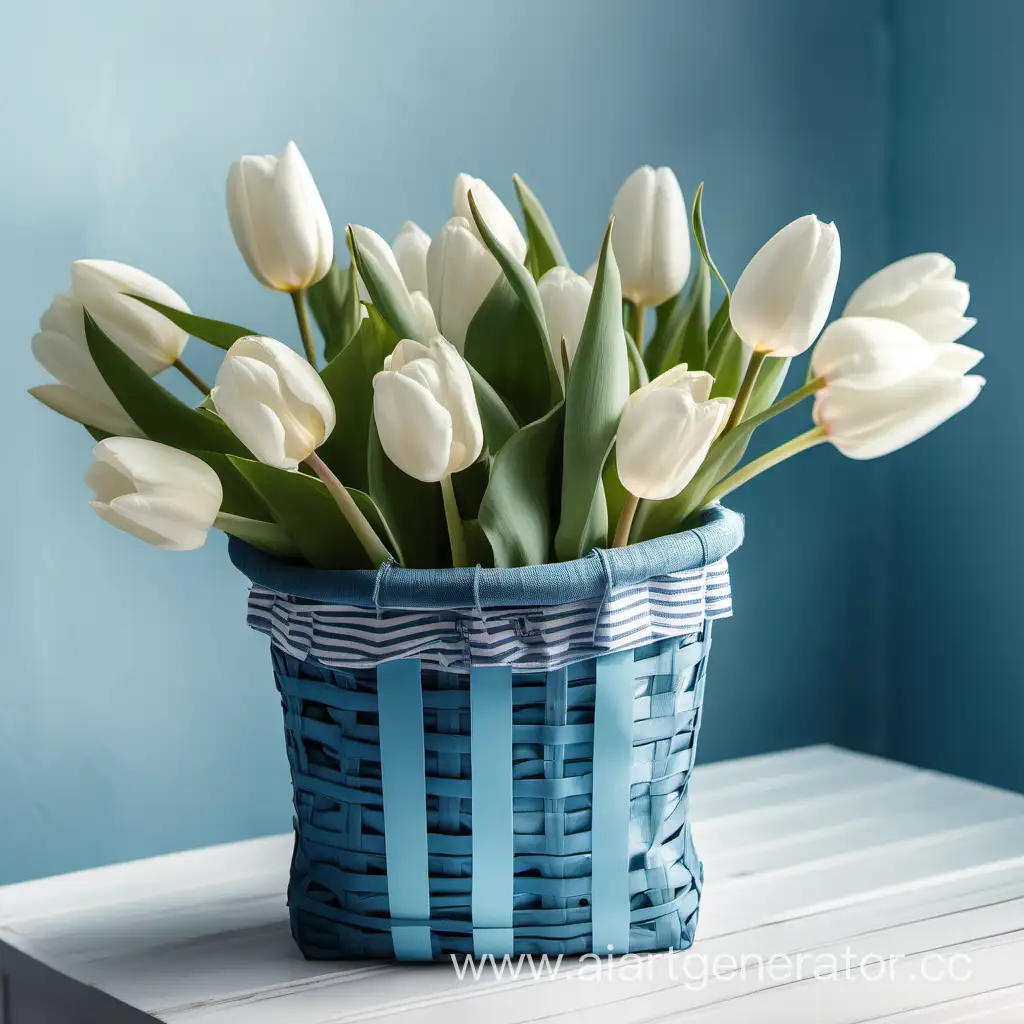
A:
x: 818, y: 862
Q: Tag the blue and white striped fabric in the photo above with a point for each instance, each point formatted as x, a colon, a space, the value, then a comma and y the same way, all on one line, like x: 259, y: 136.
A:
x: 539, y: 638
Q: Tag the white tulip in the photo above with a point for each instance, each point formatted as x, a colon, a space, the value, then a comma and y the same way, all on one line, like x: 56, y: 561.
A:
x: 274, y: 401
x: 410, y: 249
x: 426, y: 411
x: 784, y: 295
x: 665, y: 432
x: 82, y: 394
x: 870, y: 352
x: 868, y: 424
x: 920, y: 291
x: 105, y: 288
x: 651, y: 236
x: 460, y: 273
x: 161, y: 495
x: 279, y: 220
x: 565, y: 297
x: 493, y: 211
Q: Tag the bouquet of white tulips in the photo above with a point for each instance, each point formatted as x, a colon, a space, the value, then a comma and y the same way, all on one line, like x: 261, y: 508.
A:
x: 473, y: 400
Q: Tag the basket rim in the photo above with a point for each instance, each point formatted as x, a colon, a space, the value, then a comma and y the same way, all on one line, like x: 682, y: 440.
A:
x: 718, y: 533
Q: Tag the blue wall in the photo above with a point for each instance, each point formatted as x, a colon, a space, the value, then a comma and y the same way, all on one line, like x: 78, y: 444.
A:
x: 958, y: 546
x: 137, y: 713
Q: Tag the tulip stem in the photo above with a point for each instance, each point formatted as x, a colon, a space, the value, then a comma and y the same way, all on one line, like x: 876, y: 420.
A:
x: 812, y: 437
x: 456, y: 527
x: 638, y: 323
x: 625, y: 523
x: 190, y: 375
x: 302, y: 315
x: 739, y: 407
x: 365, y: 533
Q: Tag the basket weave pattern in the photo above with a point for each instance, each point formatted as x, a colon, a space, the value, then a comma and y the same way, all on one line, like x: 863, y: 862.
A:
x: 573, y: 851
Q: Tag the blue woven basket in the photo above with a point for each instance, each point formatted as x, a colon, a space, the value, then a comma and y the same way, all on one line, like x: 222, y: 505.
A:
x: 493, y: 810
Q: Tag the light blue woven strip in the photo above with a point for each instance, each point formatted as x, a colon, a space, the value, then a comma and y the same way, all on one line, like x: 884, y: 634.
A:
x: 403, y: 775
x: 613, y: 754
x: 490, y: 700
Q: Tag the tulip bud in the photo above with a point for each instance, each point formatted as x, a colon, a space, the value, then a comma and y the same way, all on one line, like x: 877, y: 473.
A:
x: 869, y: 353
x: 565, y: 297
x: 426, y: 412
x: 279, y: 220
x: 784, y: 295
x: 492, y: 210
x: 410, y: 248
x: 460, y: 273
x: 105, y: 288
x: 651, y: 236
x: 665, y: 432
x: 274, y: 401
x: 163, y: 496
x: 868, y: 424
x: 920, y: 291
x: 82, y: 394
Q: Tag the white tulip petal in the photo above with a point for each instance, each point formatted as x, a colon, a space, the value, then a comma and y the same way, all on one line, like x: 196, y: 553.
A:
x: 423, y: 315
x: 410, y: 249
x: 415, y: 430
x: 169, y: 517
x: 250, y: 193
x: 895, y: 283
x: 565, y: 298
x: 404, y: 353
x: 128, y: 525
x: 954, y: 358
x: 493, y: 211
x: 107, y: 482
x: 869, y: 352
x: 460, y: 401
x: 870, y: 424
x: 256, y: 426
x: 84, y: 409
x: 460, y: 273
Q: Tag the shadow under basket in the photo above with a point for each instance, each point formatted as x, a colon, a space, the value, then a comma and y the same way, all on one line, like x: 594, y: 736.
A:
x: 446, y: 806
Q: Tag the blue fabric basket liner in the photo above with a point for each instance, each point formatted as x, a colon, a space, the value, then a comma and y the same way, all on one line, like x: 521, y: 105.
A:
x: 489, y: 808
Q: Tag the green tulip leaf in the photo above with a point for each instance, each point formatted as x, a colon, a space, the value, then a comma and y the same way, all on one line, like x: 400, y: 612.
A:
x: 269, y: 537
x: 516, y: 511
x: 545, y: 250
x: 477, y: 545
x: 700, y: 236
x: 391, y: 298
x: 638, y: 376
x: 681, y: 331
x: 97, y: 434
x: 240, y: 497
x: 768, y: 385
x: 159, y: 415
x: 727, y: 363
x: 216, y: 332
x: 334, y: 302
x: 498, y: 423
x: 412, y: 509
x: 348, y: 378
x: 537, y: 345
x: 305, y: 508
x: 596, y: 392
x: 503, y: 346
x: 470, y: 484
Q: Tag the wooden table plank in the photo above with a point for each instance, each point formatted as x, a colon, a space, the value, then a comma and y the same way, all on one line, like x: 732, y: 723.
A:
x: 813, y: 851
